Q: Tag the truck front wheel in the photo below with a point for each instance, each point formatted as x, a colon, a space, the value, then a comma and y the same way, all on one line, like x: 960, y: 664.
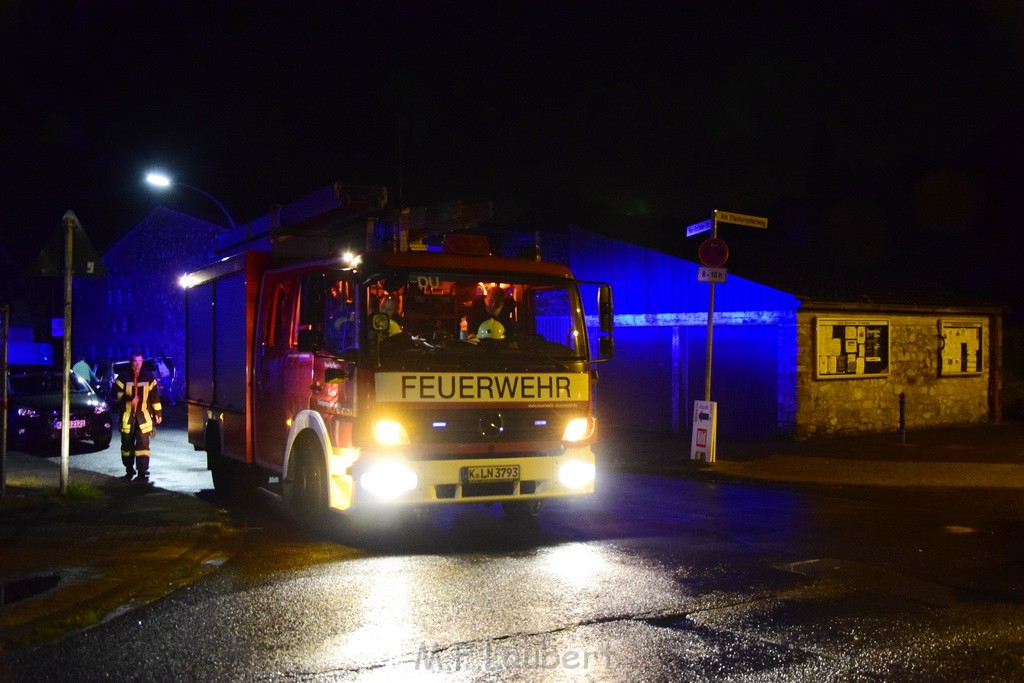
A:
x: 305, y: 489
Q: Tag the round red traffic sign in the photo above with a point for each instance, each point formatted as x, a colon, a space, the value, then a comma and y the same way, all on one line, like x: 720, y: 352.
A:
x: 713, y: 252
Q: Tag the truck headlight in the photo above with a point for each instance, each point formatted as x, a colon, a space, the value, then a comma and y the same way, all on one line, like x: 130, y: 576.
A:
x: 390, y: 433
x: 578, y: 429
x: 576, y: 474
x: 388, y: 479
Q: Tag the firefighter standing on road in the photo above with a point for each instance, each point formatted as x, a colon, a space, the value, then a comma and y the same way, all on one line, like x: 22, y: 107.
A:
x: 136, y: 391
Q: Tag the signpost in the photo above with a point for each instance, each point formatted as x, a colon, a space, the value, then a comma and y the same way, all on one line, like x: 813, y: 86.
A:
x: 713, y: 253
x: 82, y: 261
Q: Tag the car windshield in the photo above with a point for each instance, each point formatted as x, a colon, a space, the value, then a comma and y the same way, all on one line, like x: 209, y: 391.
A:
x: 41, y: 383
x: 452, y: 319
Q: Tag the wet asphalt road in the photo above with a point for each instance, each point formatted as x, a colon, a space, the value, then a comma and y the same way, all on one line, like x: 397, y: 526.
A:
x: 653, y: 579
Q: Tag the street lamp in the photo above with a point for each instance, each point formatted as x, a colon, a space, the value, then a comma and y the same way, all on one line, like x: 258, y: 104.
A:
x: 163, y: 182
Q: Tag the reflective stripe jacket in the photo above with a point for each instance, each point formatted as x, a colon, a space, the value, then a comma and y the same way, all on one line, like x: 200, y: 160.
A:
x: 124, y: 390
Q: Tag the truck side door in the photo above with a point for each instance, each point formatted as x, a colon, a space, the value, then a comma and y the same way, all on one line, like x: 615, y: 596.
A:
x: 334, y: 370
x: 281, y: 375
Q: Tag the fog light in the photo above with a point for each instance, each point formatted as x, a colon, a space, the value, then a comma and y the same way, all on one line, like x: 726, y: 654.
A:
x: 576, y: 474
x: 578, y: 429
x: 388, y: 479
x: 390, y: 433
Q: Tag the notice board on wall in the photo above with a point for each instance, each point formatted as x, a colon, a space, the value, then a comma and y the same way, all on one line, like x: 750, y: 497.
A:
x: 851, y: 349
x: 959, y: 348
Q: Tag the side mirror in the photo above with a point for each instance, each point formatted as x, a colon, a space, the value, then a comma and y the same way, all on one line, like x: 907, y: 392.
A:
x: 606, y: 346
x: 605, y: 309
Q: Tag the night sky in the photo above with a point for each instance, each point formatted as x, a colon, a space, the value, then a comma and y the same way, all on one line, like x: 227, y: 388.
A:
x: 877, y: 137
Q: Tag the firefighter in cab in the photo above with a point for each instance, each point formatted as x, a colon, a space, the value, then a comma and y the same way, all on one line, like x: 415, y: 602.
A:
x: 498, y: 307
x: 389, y: 305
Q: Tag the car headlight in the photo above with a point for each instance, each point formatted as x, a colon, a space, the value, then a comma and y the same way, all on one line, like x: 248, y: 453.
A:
x: 100, y: 408
x: 26, y: 412
x: 388, y: 479
x: 389, y: 433
x: 578, y: 429
x: 576, y: 474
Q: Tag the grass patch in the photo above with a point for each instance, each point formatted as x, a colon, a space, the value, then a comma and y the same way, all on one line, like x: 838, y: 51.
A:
x: 77, y: 491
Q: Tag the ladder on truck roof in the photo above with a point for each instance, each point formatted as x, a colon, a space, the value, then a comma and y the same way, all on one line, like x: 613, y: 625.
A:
x: 352, y: 216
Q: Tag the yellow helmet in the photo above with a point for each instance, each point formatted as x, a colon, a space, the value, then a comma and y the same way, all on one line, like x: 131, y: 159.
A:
x: 490, y: 329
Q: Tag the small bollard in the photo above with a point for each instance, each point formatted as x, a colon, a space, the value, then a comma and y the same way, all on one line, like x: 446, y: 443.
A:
x: 903, y: 418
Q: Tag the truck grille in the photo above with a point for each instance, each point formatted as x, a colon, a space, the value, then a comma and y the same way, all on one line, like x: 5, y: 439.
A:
x: 486, y: 426
x: 481, y: 490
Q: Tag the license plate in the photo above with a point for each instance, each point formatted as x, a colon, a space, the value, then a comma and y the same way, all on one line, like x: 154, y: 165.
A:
x: 75, y: 424
x: 490, y: 473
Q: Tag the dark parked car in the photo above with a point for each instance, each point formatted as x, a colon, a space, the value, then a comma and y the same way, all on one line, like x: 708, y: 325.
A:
x: 34, y: 409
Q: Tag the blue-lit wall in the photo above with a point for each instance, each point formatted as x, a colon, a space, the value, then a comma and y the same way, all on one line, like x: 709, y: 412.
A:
x: 661, y: 338
x: 139, y: 305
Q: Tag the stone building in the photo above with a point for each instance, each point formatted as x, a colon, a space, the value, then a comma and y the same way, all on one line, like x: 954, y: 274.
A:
x: 930, y: 366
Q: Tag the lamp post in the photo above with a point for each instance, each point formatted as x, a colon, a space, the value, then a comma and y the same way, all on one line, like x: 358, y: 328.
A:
x: 161, y: 181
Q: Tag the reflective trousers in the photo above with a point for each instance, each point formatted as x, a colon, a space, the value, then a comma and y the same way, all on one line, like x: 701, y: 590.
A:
x: 135, y: 450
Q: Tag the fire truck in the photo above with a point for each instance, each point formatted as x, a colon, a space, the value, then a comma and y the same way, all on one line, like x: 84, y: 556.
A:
x: 355, y: 381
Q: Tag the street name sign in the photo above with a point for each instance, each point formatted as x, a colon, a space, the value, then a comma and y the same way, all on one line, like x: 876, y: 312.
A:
x: 698, y: 228
x: 740, y: 219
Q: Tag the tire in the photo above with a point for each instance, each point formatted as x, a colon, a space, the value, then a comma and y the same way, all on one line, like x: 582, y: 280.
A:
x: 305, y: 490
x: 257, y: 478
x: 521, y: 511
x: 102, y: 444
x: 231, y: 479
x: 222, y: 470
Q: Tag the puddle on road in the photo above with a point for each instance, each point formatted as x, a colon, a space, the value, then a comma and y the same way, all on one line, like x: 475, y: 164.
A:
x: 22, y: 589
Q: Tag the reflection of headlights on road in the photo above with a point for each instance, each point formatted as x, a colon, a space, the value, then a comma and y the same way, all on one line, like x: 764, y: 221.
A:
x: 389, y: 433
x: 388, y: 479
x: 578, y: 429
x: 576, y: 474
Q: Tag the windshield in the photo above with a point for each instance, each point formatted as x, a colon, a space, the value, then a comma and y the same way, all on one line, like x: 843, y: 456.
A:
x: 38, y: 383
x: 474, y: 319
